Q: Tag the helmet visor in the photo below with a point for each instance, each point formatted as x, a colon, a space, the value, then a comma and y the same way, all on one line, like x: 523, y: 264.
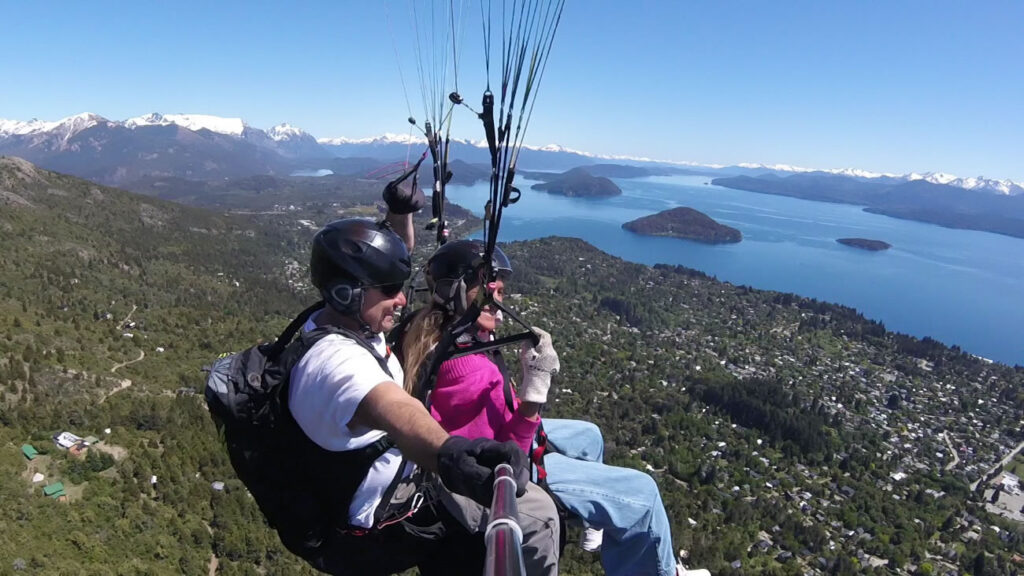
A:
x: 500, y: 264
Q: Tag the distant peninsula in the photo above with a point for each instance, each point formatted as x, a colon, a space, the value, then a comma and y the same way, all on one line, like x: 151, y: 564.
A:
x: 918, y: 200
x: 686, y: 223
x: 578, y: 183
x: 865, y: 244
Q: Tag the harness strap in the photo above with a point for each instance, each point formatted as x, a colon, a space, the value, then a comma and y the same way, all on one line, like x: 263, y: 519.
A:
x: 272, y: 351
x: 313, y: 336
x: 366, y: 455
x: 537, y: 457
x: 537, y: 454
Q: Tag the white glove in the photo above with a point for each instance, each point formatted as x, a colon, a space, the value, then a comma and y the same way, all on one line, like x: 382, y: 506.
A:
x: 539, y: 363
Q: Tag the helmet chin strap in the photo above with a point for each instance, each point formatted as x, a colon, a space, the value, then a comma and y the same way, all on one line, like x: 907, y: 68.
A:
x: 452, y: 295
x: 363, y: 326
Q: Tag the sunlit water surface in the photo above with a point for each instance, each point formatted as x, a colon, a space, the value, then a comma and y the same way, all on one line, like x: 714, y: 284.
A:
x: 958, y: 286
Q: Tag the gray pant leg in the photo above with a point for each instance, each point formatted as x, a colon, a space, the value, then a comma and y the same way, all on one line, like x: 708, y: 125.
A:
x: 538, y: 519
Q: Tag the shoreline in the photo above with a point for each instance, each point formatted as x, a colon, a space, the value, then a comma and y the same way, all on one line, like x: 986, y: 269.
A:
x: 974, y: 329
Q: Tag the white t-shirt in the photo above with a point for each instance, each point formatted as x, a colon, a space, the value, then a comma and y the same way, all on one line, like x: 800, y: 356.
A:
x: 325, y: 388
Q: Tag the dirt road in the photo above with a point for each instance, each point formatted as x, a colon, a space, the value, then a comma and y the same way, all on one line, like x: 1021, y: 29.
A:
x: 142, y: 354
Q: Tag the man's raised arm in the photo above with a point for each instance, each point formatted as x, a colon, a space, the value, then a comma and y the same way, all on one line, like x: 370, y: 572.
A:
x: 401, y: 224
x: 403, y: 199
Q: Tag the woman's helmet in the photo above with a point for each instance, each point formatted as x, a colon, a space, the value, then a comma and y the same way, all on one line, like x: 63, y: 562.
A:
x: 458, y: 267
x: 352, y: 254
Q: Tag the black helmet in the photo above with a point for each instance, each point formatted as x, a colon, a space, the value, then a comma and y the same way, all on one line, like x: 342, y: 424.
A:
x: 354, y: 253
x: 455, y: 268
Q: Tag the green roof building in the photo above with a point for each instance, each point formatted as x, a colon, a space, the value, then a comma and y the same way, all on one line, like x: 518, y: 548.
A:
x: 29, y: 451
x: 55, y: 490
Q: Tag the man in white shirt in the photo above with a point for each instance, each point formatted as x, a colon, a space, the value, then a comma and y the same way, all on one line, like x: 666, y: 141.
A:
x: 345, y: 397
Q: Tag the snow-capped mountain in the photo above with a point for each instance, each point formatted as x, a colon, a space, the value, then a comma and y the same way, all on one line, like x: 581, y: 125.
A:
x: 383, y: 140
x: 194, y: 122
x: 67, y: 127
x: 283, y: 138
x: 284, y: 132
x: 18, y: 127
x: 406, y: 139
x: 392, y: 146
x: 554, y: 156
x: 191, y: 146
x: 64, y: 127
x: 155, y: 139
x: 51, y: 135
x: 980, y: 183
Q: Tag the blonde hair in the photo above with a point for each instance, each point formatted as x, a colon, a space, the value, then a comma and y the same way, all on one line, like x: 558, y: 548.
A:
x: 423, y: 335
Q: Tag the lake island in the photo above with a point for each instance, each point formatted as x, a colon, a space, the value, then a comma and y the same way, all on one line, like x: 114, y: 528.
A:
x: 865, y: 244
x: 578, y: 183
x: 686, y: 223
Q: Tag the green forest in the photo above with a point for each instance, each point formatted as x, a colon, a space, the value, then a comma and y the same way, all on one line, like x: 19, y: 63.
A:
x: 788, y: 435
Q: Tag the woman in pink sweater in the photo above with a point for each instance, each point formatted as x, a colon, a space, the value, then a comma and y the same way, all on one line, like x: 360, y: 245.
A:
x: 473, y: 397
x: 469, y: 401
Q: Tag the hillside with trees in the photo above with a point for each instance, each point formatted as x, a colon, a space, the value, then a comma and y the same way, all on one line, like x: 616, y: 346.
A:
x: 773, y: 423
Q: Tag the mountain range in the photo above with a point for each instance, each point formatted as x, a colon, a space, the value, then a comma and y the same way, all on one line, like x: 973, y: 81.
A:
x: 197, y: 147
x: 919, y: 199
x: 204, y: 147
x: 179, y: 156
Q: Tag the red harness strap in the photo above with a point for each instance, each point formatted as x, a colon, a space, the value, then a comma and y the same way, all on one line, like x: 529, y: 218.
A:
x: 537, y: 456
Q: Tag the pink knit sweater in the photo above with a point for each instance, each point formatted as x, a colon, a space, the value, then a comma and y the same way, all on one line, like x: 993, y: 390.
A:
x: 469, y: 400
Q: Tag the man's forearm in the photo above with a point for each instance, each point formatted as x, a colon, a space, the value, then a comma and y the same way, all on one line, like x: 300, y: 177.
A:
x: 402, y: 225
x: 387, y: 407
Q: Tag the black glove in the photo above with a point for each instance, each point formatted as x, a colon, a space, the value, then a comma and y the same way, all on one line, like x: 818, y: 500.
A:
x: 467, y: 466
x: 404, y: 198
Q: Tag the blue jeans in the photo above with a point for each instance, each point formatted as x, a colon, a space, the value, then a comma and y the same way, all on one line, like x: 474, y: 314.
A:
x: 624, y: 502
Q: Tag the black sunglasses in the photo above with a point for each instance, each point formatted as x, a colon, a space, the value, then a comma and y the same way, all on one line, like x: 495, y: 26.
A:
x: 389, y: 290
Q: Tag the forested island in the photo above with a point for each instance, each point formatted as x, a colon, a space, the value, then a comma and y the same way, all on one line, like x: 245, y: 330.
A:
x: 579, y: 183
x: 865, y: 244
x: 686, y: 223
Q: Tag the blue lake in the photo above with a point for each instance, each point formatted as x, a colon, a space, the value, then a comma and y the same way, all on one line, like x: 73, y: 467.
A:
x: 958, y: 286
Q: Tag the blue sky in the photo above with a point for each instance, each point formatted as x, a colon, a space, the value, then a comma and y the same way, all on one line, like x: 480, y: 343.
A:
x: 883, y: 86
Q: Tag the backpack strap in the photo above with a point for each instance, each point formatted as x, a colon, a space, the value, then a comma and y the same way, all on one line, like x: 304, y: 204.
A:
x: 396, y: 338
x: 272, y: 351
x: 313, y: 336
x: 361, y: 459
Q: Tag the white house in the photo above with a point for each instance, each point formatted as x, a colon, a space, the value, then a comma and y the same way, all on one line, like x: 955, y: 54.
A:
x: 1010, y: 482
x: 66, y: 440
